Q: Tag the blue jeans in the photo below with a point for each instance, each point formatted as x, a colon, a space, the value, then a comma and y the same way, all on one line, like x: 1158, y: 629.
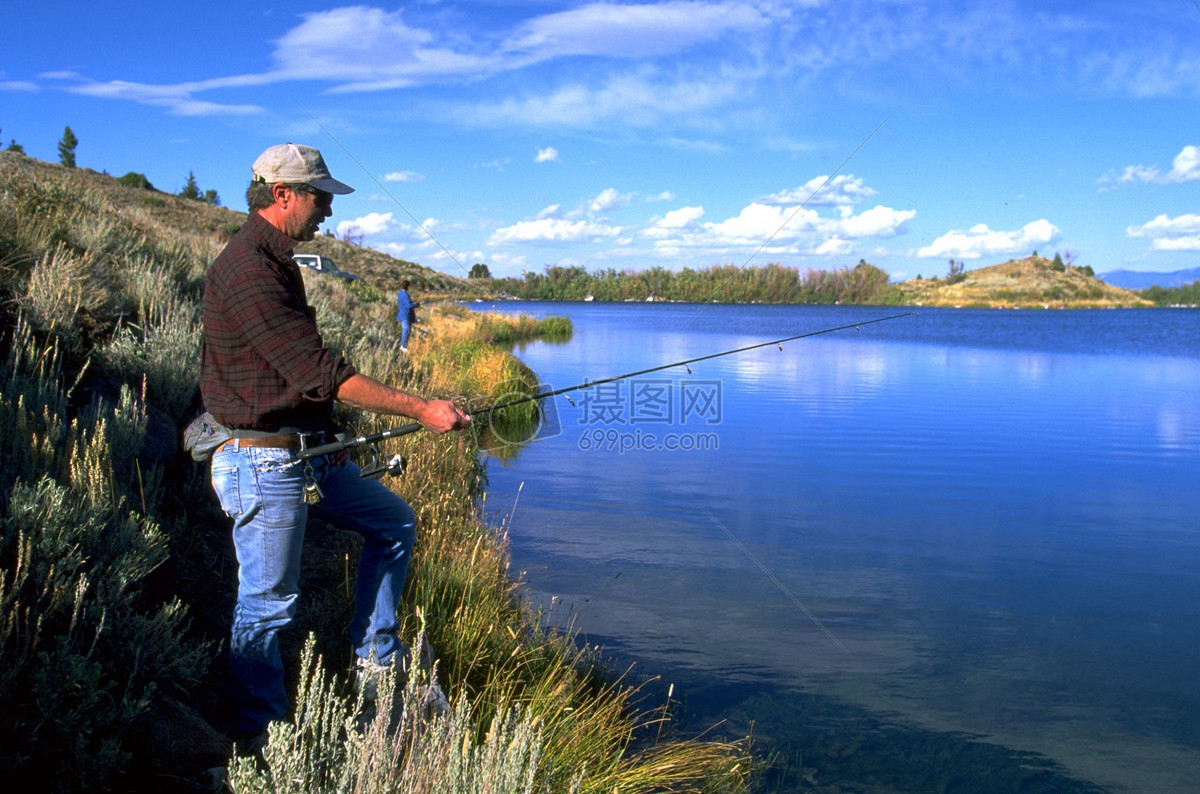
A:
x: 405, y: 330
x: 265, y: 498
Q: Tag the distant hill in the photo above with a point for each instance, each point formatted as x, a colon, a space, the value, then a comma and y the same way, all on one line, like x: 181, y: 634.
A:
x: 1032, y: 282
x: 1133, y: 279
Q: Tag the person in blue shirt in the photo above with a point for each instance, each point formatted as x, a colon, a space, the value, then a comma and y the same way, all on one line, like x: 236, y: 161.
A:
x: 406, y: 314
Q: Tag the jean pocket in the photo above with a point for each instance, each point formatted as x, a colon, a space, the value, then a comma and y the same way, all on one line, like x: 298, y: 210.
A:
x: 225, y: 484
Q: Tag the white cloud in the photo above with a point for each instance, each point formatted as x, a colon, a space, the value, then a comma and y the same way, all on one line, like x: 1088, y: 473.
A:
x: 547, y: 155
x: 1186, y: 165
x: 395, y: 249
x: 670, y: 225
x: 980, y: 240
x: 757, y: 223
x: 1138, y: 173
x: 666, y: 195
x: 1184, y: 168
x: 632, y: 30
x: 684, y: 216
x: 403, y: 176
x: 876, y: 222
x: 774, y: 229
x: 556, y: 230
x: 61, y: 74
x: 834, y: 246
x: 371, y: 223
x: 367, y: 49
x: 177, y: 99
x: 635, y: 100
x: 609, y: 199
x: 1170, y: 234
x: 821, y: 191
x: 499, y: 164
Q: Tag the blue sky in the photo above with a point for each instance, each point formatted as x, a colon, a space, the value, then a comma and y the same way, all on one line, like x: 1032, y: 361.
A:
x: 674, y: 134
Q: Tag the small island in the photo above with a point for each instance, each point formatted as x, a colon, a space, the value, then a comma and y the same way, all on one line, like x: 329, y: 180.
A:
x: 1034, y: 282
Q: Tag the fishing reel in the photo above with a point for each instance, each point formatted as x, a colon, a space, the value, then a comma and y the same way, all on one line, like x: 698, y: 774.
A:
x: 375, y: 470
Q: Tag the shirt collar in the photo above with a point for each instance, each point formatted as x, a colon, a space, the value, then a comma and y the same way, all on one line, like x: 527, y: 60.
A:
x: 278, y: 244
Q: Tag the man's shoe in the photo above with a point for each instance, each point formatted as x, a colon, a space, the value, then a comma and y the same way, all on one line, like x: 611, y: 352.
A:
x: 367, y: 675
x: 434, y: 700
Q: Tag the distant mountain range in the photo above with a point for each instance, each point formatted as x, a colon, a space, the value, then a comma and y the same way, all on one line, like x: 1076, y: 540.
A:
x: 1133, y: 279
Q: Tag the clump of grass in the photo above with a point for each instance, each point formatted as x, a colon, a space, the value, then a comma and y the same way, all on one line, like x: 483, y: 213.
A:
x: 328, y: 747
x: 503, y: 329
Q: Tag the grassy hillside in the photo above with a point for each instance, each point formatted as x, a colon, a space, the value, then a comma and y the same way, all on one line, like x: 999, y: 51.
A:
x: 1030, y: 283
x: 169, y: 212
x: 116, y: 570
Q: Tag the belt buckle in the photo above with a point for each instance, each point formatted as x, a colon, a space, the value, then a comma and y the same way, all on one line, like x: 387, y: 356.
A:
x: 308, y: 440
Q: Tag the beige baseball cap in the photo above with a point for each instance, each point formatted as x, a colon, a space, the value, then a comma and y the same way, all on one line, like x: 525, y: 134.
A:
x: 297, y: 165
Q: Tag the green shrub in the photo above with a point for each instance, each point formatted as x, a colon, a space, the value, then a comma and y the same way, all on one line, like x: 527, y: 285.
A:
x: 80, y: 653
x: 134, y: 179
x: 364, y: 291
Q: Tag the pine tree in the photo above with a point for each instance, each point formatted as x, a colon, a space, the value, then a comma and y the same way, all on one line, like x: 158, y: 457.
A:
x: 191, y: 190
x: 66, y: 148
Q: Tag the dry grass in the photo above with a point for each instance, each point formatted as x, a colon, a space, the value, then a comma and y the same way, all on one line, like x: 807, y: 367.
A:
x: 100, y: 296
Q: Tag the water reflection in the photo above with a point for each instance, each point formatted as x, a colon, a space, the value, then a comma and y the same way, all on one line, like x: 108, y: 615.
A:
x: 994, y: 514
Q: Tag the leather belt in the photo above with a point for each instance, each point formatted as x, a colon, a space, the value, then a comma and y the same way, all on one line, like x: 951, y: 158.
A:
x: 290, y: 441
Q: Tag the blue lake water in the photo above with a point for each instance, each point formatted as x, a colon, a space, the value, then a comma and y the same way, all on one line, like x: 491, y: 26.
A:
x: 958, y: 551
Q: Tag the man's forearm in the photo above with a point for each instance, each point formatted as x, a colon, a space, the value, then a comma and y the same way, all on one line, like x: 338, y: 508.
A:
x: 360, y: 391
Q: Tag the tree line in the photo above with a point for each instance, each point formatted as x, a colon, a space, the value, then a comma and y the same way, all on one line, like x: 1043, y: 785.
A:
x: 862, y: 284
x: 1186, y: 295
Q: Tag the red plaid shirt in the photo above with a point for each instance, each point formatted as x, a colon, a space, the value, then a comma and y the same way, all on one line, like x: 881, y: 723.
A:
x: 263, y: 364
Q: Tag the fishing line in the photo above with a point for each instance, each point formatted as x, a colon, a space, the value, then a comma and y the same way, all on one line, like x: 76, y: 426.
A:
x: 789, y: 219
x: 782, y: 587
x: 487, y: 411
x: 686, y: 361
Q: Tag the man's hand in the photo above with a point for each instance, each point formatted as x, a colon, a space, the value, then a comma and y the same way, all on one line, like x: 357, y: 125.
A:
x: 442, y: 415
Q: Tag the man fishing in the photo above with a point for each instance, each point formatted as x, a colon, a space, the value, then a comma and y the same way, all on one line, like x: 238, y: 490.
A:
x: 269, y: 383
x: 406, y: 313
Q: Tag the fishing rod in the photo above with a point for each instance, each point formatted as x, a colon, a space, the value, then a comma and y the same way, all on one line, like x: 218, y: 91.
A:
x: 396, y: 464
